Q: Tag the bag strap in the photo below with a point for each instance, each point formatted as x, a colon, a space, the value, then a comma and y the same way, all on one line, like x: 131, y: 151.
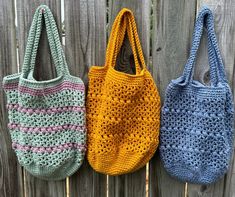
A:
x: 53, y: 38
x: 217, y: 73
x: 118, y: 45
x: 137, y: 40
x: 198, y: 30
x: 124, y: 20
x: 55, y: 34
x: 218, y: 62
x: 120, y: 38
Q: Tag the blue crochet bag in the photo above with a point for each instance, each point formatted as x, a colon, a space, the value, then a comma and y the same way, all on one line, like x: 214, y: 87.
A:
x: 196, y: 138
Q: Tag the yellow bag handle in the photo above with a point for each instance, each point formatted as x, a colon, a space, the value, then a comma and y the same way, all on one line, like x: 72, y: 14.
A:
x: 137, y: 43
x: 112, y: 39
x: 134, y: 41
x: 118, y: 44
x: 124, y: 20
x: 117, y: 36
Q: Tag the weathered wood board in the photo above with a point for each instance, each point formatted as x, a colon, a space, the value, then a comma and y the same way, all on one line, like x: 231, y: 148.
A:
x: 165, y: 28
x: 10, y: 172
x: 85, y: 41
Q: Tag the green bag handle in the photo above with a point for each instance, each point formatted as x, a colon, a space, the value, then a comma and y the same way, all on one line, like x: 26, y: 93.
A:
x: 53, y: 38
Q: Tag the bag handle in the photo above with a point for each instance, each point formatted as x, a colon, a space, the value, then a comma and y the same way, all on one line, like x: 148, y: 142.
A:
x: 54, y: 31
x: 118, y: 45
x: 217, y: 73
x: 112, y: 42
x: 53, y: 38
x: 198, y: 30
x: 124, y: 20
x: 218, y: 62
x: 137, y: 40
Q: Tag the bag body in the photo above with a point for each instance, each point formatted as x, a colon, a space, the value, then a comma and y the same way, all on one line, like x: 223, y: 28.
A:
x: 46, y: 118
x: 196, y: 139
x: 123, y: 110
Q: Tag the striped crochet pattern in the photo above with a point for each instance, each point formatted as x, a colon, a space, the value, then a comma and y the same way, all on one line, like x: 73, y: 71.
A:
x: 46, y: 118
x: 196, y: 140
x: 123, y: 110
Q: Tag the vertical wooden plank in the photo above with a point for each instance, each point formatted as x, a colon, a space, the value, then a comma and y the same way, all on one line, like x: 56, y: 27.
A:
x: 173, y: 23
x: 230, y: 189
x: 11, y: 179
x: 44, y: 70
x: 85, y: 43
x: 225, y: 27
x: 133, y: 184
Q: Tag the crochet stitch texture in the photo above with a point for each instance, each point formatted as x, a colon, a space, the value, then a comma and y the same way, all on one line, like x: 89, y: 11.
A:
x: 196, y: 139
x: 46, y: 118
x: 123, y: 110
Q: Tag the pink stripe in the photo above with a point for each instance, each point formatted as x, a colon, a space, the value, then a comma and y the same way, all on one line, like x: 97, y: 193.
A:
x: 50, y: 129
x: 47, y: 110
x: 42, y: 92
x: 38, y: 92
x: 10, y: 86
x: 41, y: 149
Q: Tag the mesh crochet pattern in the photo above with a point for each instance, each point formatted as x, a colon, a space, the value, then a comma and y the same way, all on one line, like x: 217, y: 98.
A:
x: 46, y: 118
x: 123, y: 110
x: 196, y: 137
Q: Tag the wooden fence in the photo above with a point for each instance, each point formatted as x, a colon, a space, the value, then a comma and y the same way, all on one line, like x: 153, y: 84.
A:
x: 165, y: 28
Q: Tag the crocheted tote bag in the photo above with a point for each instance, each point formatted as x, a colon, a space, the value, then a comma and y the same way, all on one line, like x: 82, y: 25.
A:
x: 123, y: 110
x: 196, y: 137
x: 46, y: 118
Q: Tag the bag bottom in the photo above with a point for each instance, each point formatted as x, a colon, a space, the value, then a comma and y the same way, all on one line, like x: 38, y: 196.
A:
x: 47, y: 173
x: 195, y: 175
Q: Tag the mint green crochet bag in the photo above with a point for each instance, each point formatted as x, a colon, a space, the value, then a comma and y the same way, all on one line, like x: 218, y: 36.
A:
x: 46, y: 118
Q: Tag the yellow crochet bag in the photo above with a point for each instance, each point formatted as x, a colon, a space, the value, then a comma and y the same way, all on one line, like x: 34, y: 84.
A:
x: 123, y: 110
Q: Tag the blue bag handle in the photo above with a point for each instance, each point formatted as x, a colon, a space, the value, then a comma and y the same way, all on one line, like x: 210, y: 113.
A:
x: 217, y: 73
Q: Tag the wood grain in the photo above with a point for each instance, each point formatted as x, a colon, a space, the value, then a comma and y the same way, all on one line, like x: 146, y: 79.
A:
x: 173, y: 23
x: 85, y: 44
x: 11, y: 180
x: 225, y: 27
x: 35, y: 187
x: 131, y: 184
x: 170, y: 23
x: 85, y: 23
